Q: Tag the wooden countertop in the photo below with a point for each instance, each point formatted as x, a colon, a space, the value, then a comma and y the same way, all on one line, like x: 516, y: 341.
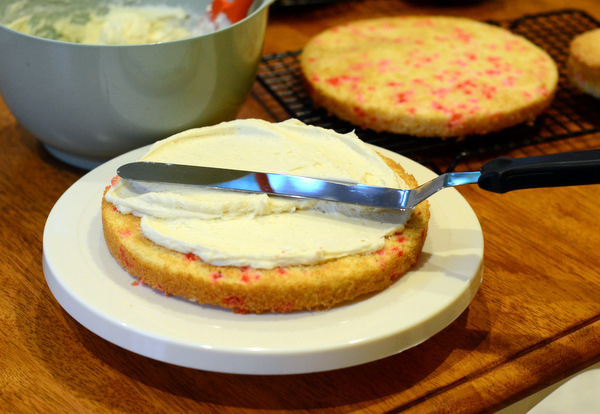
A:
x: 534, y: 321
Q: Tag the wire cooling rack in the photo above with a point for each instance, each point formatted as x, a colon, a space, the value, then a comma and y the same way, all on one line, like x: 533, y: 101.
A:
x: 571, y: 113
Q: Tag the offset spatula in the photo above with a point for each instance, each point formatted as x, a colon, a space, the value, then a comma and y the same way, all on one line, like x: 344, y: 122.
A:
x: 500, y: 175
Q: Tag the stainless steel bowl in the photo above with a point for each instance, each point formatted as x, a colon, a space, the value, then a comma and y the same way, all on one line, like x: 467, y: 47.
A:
x: 89, y: 103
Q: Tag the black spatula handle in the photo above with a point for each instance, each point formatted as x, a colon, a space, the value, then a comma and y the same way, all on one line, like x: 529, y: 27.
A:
x: 570, y: 168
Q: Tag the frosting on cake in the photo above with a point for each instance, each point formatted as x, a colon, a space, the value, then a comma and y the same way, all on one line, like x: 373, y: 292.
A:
x: 257, y: 230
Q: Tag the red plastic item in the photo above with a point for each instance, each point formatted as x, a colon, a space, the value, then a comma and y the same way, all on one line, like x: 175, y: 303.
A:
x: 235, y: 10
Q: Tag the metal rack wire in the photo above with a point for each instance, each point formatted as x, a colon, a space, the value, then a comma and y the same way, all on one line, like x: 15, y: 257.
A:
x: 570, y: 114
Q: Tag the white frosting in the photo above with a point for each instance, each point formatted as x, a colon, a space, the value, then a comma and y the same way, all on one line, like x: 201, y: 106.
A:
x: 123, y: 25
x: 257, y: 230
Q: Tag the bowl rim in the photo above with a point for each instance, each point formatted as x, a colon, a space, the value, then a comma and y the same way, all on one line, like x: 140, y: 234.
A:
x: 261, y: 8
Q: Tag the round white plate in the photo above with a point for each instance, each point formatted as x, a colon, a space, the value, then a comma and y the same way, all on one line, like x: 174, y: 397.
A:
x: 97, y: 292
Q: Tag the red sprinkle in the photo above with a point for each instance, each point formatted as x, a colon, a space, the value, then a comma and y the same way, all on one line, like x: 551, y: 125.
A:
x: 216, y: 276
x: 359, y: 112
x: 338, y: 80
x: 403, y: 97
x: 542, y: 90
x: 425, y: 22
x: 125, y: 232
x: 284, y: 307
x: 455, y: 120
x: 125, y: 259
x: 190, y: 257
x: 360, y: 66
x: 233, y: 301
x: 461, y: 35
x: 488, y: 91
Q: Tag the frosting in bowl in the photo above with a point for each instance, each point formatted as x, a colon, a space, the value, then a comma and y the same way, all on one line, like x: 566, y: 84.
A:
x: 120, y: 25
x: 257, y: 230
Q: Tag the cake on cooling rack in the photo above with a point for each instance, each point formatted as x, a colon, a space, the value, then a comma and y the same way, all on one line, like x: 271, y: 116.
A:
x: 583, y: 65
x: 428, y: 76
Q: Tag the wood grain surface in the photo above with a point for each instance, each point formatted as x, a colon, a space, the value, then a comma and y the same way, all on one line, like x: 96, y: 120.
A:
x: 534, y: 321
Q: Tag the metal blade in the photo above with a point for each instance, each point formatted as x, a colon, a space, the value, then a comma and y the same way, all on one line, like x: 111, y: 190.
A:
x: 269, y: 183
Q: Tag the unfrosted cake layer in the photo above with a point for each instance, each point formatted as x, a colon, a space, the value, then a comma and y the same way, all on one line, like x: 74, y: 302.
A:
x: 583, y: 65
x: 428, y: 76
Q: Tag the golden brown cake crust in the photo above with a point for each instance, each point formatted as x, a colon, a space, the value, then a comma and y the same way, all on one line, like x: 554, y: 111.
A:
x: 428, y: 76
x: 248, y: 290
x: 583, y: 65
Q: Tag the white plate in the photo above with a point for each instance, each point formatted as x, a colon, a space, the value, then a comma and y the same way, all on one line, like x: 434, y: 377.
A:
x: 97, y: 292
